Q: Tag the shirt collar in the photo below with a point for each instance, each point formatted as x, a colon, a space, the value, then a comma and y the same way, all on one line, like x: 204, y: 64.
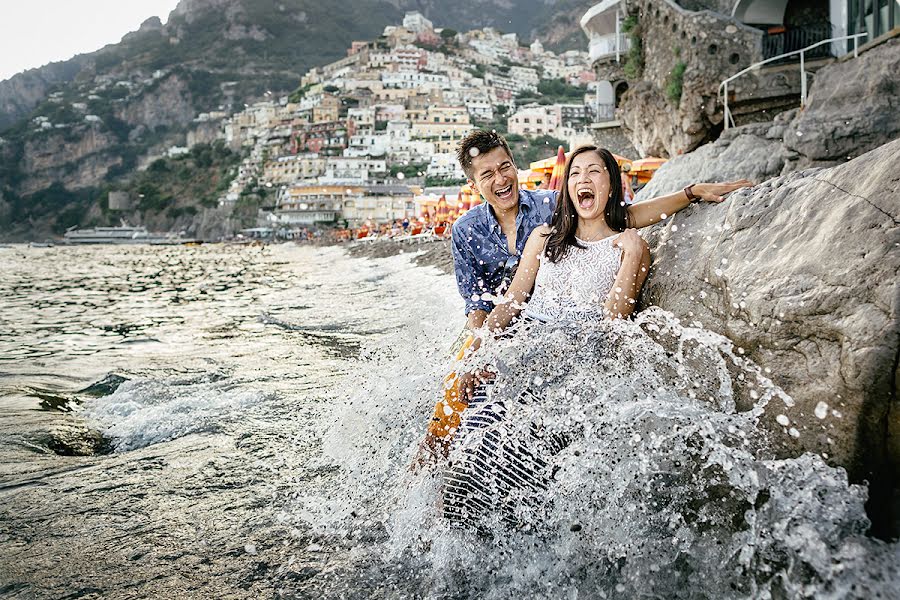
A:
x: 524, y: 208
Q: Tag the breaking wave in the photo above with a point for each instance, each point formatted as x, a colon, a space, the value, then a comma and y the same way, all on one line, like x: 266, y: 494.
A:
x: 668, y: 486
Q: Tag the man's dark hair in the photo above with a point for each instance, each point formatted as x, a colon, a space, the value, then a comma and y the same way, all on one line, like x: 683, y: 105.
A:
x: 482, y: 141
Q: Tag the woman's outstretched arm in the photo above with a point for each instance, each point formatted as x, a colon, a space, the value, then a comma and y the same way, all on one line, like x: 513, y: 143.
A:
x: 648, y: 212
x: 622, y: 298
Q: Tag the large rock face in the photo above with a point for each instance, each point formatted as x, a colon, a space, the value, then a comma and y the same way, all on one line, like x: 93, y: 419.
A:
x: 801, y: 273
x: 752, y: 152
x: 853, y: 107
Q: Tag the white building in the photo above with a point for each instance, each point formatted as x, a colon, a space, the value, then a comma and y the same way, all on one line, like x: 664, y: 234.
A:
x: 415, y: 21
x: 535, y: 120
x: 352, y: 169
x: 480, y: 109
x: 444, y: 166
x: 527, y: 77
x: 415, y: 80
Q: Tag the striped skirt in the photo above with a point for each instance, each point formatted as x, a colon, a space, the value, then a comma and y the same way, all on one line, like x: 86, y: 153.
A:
x: 499, y: 470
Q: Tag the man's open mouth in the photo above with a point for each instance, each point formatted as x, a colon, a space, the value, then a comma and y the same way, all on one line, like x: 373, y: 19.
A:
x: 585, y: 197
x: 504, y: 193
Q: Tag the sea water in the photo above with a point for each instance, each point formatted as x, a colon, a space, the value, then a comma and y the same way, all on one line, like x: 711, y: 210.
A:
x: 255, y: 413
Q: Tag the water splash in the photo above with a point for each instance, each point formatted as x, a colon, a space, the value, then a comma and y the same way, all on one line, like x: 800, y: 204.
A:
x: 149, y: 411
x: 668, y: 487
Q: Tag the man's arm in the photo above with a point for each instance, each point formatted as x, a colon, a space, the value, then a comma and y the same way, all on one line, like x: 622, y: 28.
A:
x: 644, y: 214
x: 466, y: 269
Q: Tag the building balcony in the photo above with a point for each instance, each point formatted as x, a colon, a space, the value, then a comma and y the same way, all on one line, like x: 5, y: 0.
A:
x: 780, y: 40
x: 604, y: 47
x: 605, y: 112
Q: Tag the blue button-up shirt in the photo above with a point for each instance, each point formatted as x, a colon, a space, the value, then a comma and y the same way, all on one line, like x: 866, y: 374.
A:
x: 481, y: 252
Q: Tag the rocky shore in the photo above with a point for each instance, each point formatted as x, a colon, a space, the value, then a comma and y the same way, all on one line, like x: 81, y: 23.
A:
x: 428, y: 253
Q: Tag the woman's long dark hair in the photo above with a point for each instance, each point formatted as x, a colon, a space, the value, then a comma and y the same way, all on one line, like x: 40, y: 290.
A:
x: 565, y: 219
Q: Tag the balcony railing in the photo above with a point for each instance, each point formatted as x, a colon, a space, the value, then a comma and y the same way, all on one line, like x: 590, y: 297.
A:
x: 802, y: 53
x: 605, y: 46
x: 605, y: 113
x: 795, y: 38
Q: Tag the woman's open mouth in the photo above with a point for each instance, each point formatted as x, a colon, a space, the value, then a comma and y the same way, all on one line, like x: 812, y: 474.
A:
x: 504, y: 193
x: 585, y: 197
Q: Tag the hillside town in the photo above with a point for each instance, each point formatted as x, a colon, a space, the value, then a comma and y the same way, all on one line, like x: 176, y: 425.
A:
x: 369, y: 139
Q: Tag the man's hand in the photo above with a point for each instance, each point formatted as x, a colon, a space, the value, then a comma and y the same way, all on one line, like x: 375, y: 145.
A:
x: 469, y: 381
x: 715, y: 192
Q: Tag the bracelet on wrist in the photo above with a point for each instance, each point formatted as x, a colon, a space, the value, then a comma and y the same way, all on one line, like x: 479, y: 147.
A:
x: 689, y: 192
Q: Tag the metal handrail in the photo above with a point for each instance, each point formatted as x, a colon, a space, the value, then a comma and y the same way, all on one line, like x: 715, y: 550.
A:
x: 723, y: 87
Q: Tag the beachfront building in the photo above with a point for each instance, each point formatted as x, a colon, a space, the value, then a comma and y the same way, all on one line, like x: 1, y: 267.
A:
x: 352, y: 169
x: 288, y: 169
x: 378, y: 204
x: 305, y: 205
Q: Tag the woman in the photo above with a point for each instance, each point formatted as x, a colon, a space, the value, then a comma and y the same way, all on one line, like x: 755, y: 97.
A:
x: 585, y: 266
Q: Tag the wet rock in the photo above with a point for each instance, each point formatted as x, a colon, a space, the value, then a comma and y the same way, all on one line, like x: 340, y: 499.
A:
x: 801, y: 273
x: 742, y: 154
x: 852, y: 107
x: 105, y: 386
x: 77, y: 439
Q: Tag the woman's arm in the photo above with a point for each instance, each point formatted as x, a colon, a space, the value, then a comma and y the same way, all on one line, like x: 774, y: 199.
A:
x: 644, y: 214
x: 622, y: 298
x: 520, y: 289
x: 505, y: 311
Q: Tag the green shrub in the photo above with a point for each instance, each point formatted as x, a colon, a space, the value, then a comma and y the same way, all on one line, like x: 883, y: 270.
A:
x: 675, y: 83
x: 634, y: 61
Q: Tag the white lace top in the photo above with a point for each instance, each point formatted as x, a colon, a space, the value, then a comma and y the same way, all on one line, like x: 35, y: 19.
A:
x: 575, y: 288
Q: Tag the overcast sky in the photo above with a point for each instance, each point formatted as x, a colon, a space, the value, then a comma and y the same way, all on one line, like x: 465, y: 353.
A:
x: 35, y: 32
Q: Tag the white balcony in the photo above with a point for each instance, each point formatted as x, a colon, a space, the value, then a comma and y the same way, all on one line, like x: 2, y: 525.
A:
x: 602, y: 24
x: 605, y: 113
x: 609, y: 46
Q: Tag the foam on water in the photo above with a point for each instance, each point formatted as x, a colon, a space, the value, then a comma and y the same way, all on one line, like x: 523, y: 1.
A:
x: 149, y: 411
x: 669, y: 486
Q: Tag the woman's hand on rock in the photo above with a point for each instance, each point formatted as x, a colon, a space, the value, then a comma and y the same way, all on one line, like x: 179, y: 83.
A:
x: 715, y: 192
x: 631, y: 243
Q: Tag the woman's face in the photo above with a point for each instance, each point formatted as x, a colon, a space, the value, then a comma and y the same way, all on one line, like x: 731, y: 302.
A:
x: 588, y: 185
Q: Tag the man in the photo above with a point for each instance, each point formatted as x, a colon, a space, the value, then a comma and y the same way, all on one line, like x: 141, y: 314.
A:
x: 489, y: 238
x: 545, y: 181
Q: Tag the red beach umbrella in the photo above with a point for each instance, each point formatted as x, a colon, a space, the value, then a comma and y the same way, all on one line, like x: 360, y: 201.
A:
x: 558, y: 168
x: 443, y: 211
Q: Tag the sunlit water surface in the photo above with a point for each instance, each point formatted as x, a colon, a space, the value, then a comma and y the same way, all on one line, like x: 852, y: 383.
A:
x: 239, y: 422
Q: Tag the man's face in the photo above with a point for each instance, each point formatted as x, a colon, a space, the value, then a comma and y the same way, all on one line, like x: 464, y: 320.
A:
x: 495, y: 177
